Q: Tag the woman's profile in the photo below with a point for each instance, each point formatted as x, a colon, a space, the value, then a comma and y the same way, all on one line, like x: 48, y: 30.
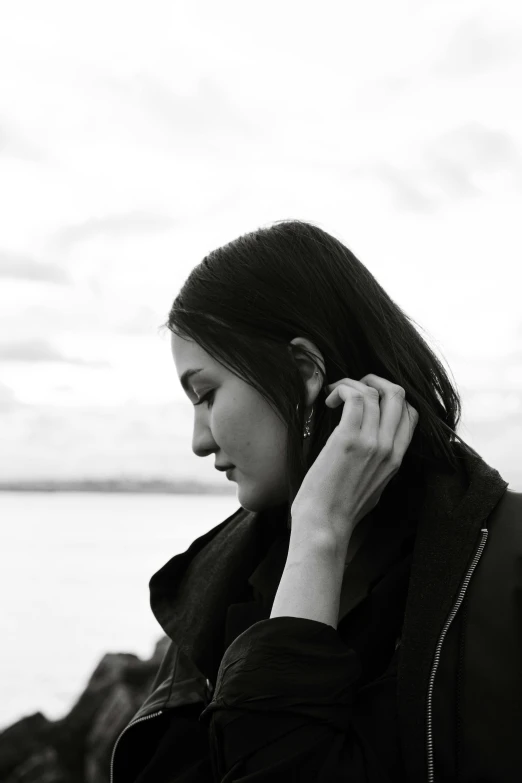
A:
x: 359, y: 617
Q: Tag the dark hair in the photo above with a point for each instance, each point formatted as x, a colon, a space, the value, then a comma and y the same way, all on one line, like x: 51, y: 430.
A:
x: 246, y: 300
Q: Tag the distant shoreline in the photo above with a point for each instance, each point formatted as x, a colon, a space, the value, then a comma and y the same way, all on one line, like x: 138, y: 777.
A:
x: 151, y: 486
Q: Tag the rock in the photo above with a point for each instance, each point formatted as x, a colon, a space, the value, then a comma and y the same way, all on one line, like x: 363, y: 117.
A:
x: 115, y: 713
x: 42, y: 767
x: 78, y: 747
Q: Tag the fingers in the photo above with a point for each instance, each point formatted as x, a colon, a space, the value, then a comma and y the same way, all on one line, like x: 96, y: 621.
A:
x: 386, y: 414
x: 393, y: 403
x: 405, y: 431
x: 353, y: 413
x: 365, y: 404
x: 398, y: 417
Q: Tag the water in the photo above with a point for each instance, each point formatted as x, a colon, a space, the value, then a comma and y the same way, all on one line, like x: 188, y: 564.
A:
x: 74, y: 574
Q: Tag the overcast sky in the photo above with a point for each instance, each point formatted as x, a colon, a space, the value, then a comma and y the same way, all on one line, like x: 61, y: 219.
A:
x: 137, y: 137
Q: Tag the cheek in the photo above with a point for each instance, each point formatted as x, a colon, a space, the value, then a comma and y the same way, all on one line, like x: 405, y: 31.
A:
x: 230, y: 422
x: 245, y: 421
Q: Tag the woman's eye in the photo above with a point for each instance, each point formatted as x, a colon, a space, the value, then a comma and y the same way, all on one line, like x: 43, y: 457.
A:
x: 209, y: 396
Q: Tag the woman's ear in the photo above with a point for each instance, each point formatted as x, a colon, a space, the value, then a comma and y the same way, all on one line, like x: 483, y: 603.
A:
x: 310, y: 363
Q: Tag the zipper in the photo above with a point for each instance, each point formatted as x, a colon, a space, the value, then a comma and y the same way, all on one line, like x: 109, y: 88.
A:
x: 460, y: 598
x: 209, y: 690
x: 139, y: 720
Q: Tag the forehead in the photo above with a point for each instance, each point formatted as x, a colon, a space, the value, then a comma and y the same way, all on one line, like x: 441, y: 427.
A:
x: 188, y: 355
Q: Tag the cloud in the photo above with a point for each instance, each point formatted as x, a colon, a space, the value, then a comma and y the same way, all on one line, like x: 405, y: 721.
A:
x: 203, y: 113
x: 21, y: 267
x: 13, y: 144
x: 448, y: 166
x: 41, y: 351
x: 8, y: 399
x: 144, y: 321
x: 461, y: 153
x: 475, y: 47
x: 408, y: 193
x: 487, y: 406
x: 111, y: 225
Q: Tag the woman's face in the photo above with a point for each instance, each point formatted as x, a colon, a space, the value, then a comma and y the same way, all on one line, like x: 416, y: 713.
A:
x: 235, y: 424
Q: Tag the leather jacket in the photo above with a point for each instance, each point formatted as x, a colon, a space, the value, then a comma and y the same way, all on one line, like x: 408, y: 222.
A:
x: 459, y: 680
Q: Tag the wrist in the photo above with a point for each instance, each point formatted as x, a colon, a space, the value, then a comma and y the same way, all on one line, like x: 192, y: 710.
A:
x: 310, y: 585
x: 308, y: 537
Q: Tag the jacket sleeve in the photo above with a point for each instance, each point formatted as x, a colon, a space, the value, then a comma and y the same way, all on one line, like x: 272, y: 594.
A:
x: 283, y: 709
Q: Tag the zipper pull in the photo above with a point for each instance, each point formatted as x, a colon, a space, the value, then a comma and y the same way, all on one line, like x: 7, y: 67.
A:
x: 209, y: 690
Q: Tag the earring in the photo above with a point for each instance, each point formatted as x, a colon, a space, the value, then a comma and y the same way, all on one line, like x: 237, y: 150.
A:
x: 307, y: 425
x: 307, y: 432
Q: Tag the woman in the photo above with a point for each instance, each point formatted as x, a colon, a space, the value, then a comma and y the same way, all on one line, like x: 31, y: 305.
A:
x: 359, y: 616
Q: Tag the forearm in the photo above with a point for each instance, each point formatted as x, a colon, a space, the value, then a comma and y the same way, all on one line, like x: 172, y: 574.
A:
x: 310, y: 586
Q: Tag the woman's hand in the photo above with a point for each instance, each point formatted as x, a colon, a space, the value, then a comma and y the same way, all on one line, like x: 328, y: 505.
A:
x: 360, y: 457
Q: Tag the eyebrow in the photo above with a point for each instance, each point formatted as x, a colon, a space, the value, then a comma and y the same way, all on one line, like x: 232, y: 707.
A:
x: 184, y: 380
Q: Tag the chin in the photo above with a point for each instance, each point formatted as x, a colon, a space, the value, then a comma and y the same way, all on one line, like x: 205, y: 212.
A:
x: 250, y: 503
x: 260, y: 500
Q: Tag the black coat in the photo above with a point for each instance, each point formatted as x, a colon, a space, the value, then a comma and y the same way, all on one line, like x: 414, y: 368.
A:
x: 287, y: 702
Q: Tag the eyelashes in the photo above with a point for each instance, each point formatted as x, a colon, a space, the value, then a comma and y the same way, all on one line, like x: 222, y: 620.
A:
x: 208, y: 396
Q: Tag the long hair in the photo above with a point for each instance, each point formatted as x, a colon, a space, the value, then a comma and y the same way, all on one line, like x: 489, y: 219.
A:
x: 246, y: 300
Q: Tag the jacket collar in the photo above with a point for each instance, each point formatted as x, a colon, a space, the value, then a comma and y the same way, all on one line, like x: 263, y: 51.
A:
x: 189, y: 595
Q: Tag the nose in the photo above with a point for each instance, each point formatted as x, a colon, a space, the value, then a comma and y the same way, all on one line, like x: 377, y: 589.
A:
x: 203, y: 442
